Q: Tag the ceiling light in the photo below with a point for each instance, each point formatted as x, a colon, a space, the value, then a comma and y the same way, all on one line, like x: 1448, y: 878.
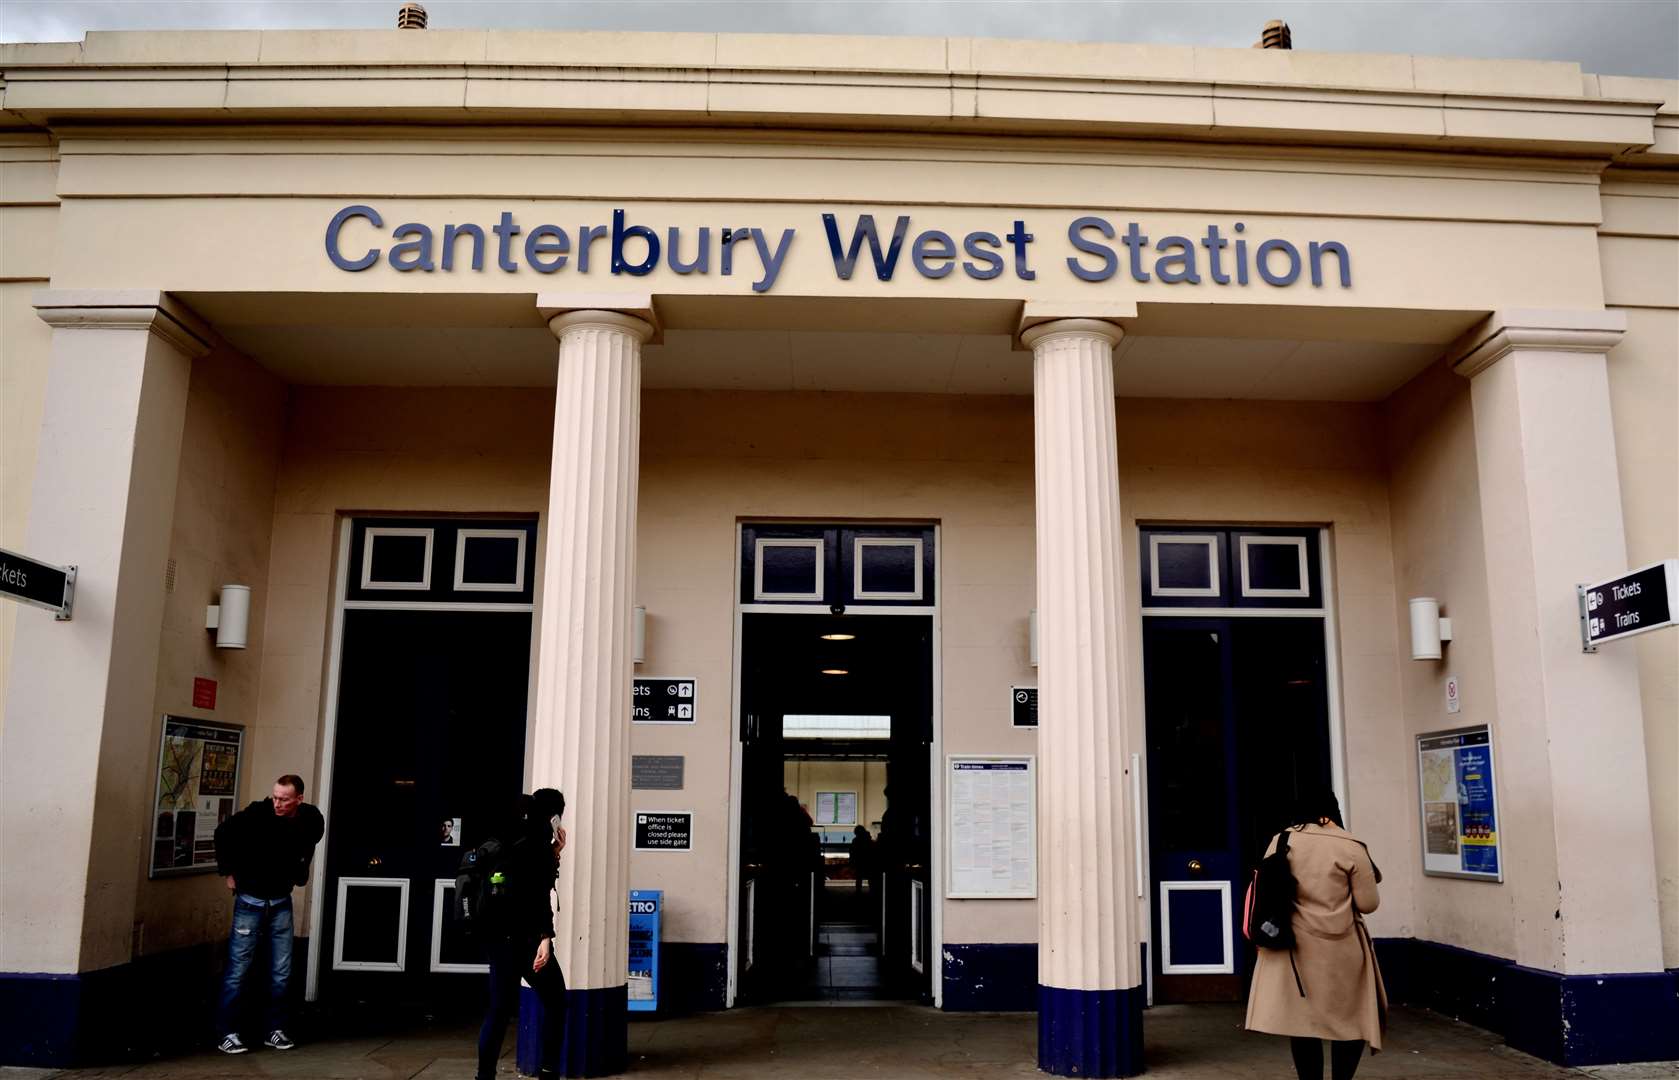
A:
x: 839, y: 637
x: 835, y: 671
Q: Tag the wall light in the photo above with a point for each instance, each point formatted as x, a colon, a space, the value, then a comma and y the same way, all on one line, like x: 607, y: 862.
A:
x: 230, y: 619
x: 638, y: 647
x: 1428, y: 629
x: 1032, y: 637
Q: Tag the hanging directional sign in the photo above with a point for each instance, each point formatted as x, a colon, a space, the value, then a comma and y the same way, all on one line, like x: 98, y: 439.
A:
x: 31, y: 581
x: 662, y: 701
x: 1633, y: 603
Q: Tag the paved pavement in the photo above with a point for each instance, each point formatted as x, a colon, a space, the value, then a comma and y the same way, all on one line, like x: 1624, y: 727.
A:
x: 853, y: 1043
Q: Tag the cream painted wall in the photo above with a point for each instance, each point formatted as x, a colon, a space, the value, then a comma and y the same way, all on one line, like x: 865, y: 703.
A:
x: 1640, y: 252
x: 28, y: 223
x: 222, y: 534
x: 1438, y: 552
x: 866, y: 778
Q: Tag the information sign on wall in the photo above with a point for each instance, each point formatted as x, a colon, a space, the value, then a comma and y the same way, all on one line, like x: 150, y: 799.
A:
x: 664, y: 830
x: 1458, y: 804
x: 31, y: 581
x: 657, y: 772
x: 1023, y: 705
x: 991, y: 806
x: 1636, y: 602
x: 646, y: 907
x: 197, y: 789
x: 663, y: 701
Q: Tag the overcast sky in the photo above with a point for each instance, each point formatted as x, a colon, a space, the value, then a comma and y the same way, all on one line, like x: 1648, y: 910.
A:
x: 1619, y: 37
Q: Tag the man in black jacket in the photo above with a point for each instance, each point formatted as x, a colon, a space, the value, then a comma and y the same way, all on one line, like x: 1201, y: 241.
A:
x: 518, y: 930
x: 263, y: 851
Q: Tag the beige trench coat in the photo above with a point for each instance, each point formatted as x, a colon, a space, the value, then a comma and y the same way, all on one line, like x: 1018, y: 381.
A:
x: 1345, y: 998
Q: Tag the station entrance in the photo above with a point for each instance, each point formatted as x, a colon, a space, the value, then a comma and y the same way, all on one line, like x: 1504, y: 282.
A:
x: 837, y: 733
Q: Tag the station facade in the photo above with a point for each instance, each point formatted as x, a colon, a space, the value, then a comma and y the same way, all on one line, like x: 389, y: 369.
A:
x: 1030, y: 453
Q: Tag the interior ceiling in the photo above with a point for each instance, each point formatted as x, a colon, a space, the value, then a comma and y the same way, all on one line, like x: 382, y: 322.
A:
x: 1170, y: 351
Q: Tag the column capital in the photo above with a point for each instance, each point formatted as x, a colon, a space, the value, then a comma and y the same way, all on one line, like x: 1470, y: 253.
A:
x: 126, y: 309
x: 631, y: 312
x: 1549, y: 331
x: 1031, y: 336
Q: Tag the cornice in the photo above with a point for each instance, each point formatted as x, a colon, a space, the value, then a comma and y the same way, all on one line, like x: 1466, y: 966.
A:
x: 125, y: 309
x: 1586, y: 332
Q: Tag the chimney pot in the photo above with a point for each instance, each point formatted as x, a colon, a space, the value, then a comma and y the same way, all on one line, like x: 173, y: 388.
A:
x: 1275, y: 36
x: 411, y: 17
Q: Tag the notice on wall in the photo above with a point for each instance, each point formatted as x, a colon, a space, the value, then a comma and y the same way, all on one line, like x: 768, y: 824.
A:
x: 197, y: 789
x: 1023, y: 706
x: 991, y: 806
x: 1459, y: 804
x: 663, y: 701
x: 657, y: 772
x: 664, y: 830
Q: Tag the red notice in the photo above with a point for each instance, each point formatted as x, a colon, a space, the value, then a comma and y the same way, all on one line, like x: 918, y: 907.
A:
x: 203, y: 693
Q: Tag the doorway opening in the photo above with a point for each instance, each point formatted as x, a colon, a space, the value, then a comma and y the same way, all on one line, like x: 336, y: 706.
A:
x: 835, y: 807
x: 1236, y: 673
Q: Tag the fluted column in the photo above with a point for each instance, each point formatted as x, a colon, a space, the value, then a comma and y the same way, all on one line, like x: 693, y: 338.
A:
x: 1089, y: 998
x: 581, y: 741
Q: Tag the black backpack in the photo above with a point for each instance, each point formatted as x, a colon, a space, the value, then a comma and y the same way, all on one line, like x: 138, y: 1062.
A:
x: 1268, y: 920
x: 480, y: 887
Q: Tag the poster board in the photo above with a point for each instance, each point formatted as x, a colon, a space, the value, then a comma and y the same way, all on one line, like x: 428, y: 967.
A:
x: 1458, y: 804
x: 197, y: 789
x: 991, y: 807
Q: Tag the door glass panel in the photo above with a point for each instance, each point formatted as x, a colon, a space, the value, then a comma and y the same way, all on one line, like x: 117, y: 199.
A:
x: 1197, y: 926
x: 1185, y: 692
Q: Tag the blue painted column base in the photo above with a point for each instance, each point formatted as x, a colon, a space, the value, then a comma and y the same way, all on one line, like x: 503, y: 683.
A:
x: 597, y: 1032
x: 1090, y: 1032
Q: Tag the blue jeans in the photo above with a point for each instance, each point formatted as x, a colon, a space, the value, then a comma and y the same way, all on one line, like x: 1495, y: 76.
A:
x: 254, y: 920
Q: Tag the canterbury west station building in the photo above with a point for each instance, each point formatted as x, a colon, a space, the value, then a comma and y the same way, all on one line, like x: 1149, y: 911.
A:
x: 1027, y: 452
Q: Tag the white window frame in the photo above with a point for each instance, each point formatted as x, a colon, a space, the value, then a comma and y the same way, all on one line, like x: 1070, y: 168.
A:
x: 463, y: 535
x: 1226, y: 915
x: 861, y: 542
x: 374, y: 532
x: 439, y: 889
x: 1296, y: 542
x: 1206, y: 540
x: 401, y: 962
x: 814, y: 543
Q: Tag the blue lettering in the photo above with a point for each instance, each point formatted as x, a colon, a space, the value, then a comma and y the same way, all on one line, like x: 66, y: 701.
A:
x: 993, y: 262
x: 1342, y: 259
x: 1185, y: 260
x: 621, y: 233
x: 1215, y: 245
x: 451, y: 233
x: 933, y: 244
x: 674, y: 259
x: 586, y: 237
x: 337, y: 223
x: 542, y: 242
x: 1110, y: 261
x: 505, y: 231
x: 731, y: 237
x: 772, y: 261
x: 1263, y: 261
x: 1135, y: 240
x: 412, y: 254
x: 1019, y: 238
x: 884, y: 263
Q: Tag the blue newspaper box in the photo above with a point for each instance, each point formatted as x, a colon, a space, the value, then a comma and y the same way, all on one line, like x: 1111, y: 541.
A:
x: 646, y: 906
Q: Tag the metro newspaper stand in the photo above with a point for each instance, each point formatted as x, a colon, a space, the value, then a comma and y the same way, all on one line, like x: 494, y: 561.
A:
x: 646, y: 907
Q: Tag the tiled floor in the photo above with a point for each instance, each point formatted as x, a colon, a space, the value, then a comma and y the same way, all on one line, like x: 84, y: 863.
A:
x: 1203, y: 1042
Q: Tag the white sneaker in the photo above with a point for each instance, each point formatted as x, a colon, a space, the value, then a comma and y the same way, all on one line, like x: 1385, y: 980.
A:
x: 232, y: 1044
x: 278, y: 1040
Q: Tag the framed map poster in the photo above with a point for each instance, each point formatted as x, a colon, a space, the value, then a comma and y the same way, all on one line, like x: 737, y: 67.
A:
x: 197, y: 789
x: 1459, y: 804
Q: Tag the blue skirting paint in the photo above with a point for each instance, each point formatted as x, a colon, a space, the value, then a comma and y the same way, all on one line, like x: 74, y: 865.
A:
x: 597, y: 1032
x: 1090, y: 1032
x: 990, y: 978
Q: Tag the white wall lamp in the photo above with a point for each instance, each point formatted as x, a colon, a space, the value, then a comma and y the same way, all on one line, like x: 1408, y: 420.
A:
x: 638, y: 649
x: 230, y: 619
x: 1032, y: 637
x: 1428, y: 629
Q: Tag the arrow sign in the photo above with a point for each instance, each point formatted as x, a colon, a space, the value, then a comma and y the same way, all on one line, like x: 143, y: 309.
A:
x: 1636, y: 602
x: 31, y: 581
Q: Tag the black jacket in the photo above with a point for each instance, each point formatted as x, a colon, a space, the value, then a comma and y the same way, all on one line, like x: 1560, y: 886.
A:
x: 265, y: 854
x: 528, y: 863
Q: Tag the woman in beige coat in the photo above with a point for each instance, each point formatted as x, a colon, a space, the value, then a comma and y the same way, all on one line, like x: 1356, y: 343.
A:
x: 1339, y: 995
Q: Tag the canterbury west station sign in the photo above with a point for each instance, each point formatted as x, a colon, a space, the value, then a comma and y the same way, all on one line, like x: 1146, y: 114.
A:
x: 359, y: 238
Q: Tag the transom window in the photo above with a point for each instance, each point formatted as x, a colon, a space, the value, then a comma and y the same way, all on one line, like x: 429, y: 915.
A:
x: 1197, y: 566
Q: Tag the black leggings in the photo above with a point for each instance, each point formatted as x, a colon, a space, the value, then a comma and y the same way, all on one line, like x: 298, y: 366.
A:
x: 1308, y: 1058
x: 510, y: 961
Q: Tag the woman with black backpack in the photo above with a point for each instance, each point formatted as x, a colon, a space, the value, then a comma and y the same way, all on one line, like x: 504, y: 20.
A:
x: 1327, y: 986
